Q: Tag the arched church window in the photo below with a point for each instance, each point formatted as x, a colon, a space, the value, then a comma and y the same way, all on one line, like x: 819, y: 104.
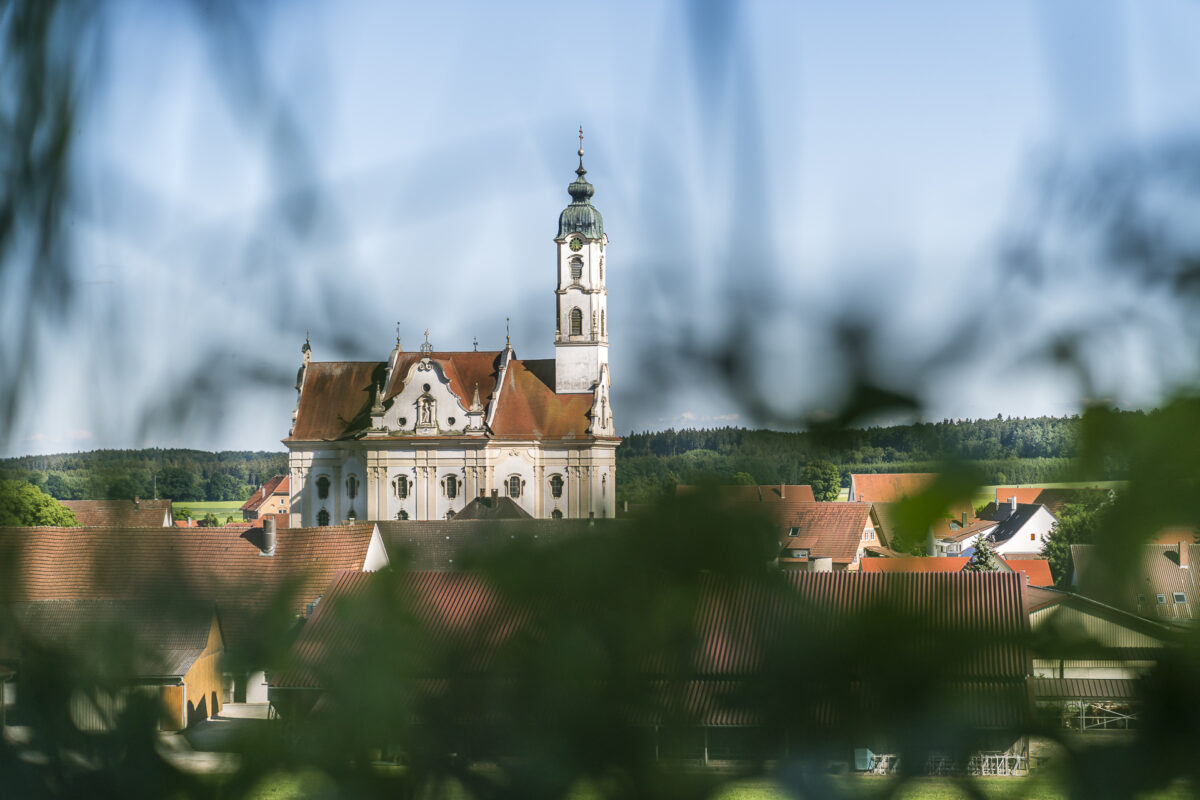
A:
x: 576, y: 268
x: 352, y: 486
x: 602, y: 268
x: 556, y: 485
x: 401, y: 484
x: 322, y: 487
x: 322, y: 518
x: 514, y: 486
x: 451, y: 487
x: 556, y: 514
x: 576, y: 322
x: 402, y: 514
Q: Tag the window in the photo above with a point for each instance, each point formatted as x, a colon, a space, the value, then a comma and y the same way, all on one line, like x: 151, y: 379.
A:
x: 1162, y: 599
x: 576, y: 322
x: 352, y: 486
x: 601, y: 267
x: 450, y: 421
x: 451, y: 487
x: 1180, y: 597
x: 1032, y: 537
x: 323, y: 488
x: 603, y: 329
x: 514, y: 486
x: 576, y: 268
x: 868, y: 536
x: 556, y: 514
x: 556, y: 484
x: 401, y: 484
x: 402, y: 514
x: 1141, y: 598
x: 322, y: 518
x: 799, y: 554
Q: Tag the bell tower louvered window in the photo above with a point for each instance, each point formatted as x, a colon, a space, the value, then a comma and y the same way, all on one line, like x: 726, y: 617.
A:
x: 576, y: 322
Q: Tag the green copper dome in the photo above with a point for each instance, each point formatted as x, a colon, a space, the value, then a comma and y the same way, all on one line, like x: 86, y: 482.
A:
x: 581, y: 216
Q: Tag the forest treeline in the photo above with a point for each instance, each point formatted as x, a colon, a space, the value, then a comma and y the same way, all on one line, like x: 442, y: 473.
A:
x: 1002, y: 450
x: 179, y: 475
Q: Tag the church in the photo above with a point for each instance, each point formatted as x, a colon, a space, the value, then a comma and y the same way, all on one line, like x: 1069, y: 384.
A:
x: 420, y: 435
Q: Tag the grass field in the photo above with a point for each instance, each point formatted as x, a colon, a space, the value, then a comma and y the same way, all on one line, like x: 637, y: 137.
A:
x: 222, y: 508
x: 987, y: 494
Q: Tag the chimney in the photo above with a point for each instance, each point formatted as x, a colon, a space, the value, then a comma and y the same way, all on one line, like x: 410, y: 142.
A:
x: 189, y: 522
x: 591, y: 518
x: 1183, y: 555
x: 136, y: 501
x: 268, y: 545
x: 626, y: 506
x: 495, y: 492
x: 964, y: 518
x: 483, y: 492
x: 782, y: 492
x: 1012, y: 504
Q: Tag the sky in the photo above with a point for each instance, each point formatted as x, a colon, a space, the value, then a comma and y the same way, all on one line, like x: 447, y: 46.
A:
x: 769, y: 173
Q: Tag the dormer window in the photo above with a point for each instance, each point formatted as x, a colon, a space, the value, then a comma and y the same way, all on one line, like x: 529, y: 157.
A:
x: 800, y: 553
x: 1180, y: 597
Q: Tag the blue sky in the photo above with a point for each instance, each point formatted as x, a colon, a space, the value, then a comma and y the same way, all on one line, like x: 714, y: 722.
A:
x: 793, y: 163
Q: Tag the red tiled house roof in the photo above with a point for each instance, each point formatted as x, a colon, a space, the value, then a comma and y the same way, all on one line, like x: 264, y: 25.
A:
x: 218, y: 566
x: 777, y: 502
x: 121, y: 513
x: 890, y: 487
x: 826, y: 530
x: 1037, y: 570
x: 336, y: 396
x: 1024, y: 494
x: 279, y: 484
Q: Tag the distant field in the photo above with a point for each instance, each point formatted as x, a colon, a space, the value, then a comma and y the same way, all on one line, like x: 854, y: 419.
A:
x: 222, y: 508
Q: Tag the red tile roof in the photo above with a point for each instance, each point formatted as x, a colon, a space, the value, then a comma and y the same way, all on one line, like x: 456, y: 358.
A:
x: 1024, y: 494
x: 218, y: 565
x: 1038, y: 570
x: 915, y: 564
x: 893, y: 487
x: 827, y: 530
x: 280, y: 484
x: 336, y: 396
x: 120, y: 513
x: 528, y: 407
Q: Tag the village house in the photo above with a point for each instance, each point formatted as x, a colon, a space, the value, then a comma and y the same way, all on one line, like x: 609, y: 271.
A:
x: 1035, y: 570
x: 174, y: 655
x: 239, y: 572
x: 1161, y: 585
x: 271, y: 498
x: 821, y: 537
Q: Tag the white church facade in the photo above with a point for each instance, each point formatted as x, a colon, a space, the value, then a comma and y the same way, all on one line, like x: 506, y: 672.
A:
x: 420, y: 435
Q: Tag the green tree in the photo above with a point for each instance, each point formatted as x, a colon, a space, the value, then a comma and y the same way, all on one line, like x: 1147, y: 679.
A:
x: 984, y: 558
x: 22, y: 503
x: 1077, y: 524
x: 210, y: 521
x: 176, y: 483
x: 744, y: 479
x: 824, y: 479
x: 221, y: 486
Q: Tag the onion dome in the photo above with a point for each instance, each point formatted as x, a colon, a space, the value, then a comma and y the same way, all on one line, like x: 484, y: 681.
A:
x: 581, y: 216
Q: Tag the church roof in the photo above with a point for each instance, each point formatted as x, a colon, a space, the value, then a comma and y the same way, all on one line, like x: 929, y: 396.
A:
x: 337, y: 395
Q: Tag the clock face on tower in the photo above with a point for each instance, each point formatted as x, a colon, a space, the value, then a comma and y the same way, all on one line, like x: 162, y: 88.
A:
x: 577, y: 245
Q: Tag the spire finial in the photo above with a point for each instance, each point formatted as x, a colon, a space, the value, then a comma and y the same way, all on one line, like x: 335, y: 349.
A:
x: 307, y: 348
x: 581, y: 142
x: 475, y: 342
x: 397, y: 335
x: 426, y: 348
x: 507, y: 340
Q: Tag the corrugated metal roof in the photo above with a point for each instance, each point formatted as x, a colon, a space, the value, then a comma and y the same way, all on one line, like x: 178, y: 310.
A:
x: 1084, y: 689
x: 1158, y: 573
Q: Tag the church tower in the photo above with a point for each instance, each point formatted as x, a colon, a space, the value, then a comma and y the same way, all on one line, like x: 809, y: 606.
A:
x: 581, y: 315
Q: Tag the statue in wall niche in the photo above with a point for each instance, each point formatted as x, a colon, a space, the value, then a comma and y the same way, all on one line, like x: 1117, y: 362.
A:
x: 425, y: 411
